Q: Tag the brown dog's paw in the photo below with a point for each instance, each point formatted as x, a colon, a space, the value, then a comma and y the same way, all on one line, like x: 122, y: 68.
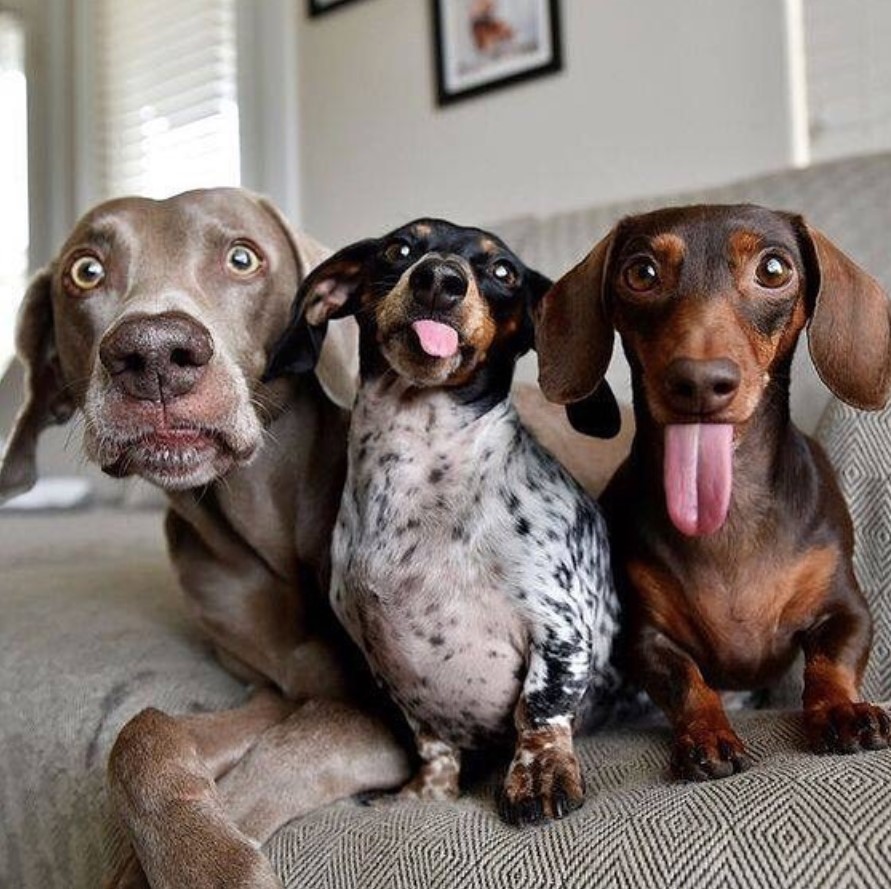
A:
x: 704, y: 754
x: 848, y: 728
x: 541, y: 788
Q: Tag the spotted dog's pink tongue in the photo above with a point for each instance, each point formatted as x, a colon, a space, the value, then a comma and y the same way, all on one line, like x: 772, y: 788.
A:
x: 438, y: 340
x: 698, y: 475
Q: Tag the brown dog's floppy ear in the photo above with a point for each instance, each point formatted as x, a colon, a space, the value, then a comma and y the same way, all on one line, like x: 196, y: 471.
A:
x: 573, y: 333
x: 331, y: 291
x: 46, y: 399
x: 850, y: 327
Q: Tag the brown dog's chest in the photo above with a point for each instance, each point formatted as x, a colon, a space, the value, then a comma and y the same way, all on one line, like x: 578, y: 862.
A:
x: 739, y: 618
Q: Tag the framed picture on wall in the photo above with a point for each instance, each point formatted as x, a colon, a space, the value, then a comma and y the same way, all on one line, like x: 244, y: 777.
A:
x: 483, y: 45
x: 319, y: 7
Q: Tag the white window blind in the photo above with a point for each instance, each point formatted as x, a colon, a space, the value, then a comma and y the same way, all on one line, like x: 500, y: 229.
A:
x: 166, y: 100
x: 848, y: 76
x: 13, y: 178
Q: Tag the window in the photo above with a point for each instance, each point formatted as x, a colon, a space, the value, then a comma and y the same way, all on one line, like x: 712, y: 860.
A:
x: 848, y: 76
x: 167, y: 111
x: 13, y: 178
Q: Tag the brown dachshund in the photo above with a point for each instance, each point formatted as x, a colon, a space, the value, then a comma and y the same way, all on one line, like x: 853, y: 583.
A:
x: 732, y: 540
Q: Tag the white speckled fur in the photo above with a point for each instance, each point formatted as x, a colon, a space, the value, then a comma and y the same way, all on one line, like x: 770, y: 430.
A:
x: 469, y: 567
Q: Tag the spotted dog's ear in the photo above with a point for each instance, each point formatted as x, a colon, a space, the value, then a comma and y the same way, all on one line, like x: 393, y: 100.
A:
x: 535, y: 285
x: 337, y: 368
x: 332, y: 290
x: 47, y: 400
x: 849, y: 334
x: 573, y: 331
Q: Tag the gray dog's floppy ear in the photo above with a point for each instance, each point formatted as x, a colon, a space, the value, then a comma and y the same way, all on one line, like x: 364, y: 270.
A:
x: 573, y: 332
x: 332, y: 290
x: 850, y: 327
x: 47, y: 401
x: 337, y: 367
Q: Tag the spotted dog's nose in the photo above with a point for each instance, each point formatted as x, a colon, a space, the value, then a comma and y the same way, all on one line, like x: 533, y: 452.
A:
x: 157, y: 357
x: 438, y: 284
x: 702, y: 387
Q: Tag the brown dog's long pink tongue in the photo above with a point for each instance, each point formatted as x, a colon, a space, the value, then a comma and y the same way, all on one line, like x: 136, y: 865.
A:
x: 698, y: 475
x: 437, y: 340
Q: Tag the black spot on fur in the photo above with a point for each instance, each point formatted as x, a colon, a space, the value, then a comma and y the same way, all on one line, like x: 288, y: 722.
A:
x: 435, y: 476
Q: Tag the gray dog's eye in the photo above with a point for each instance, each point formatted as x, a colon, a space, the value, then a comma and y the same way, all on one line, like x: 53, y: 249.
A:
x: 86, y: 272
x: 243, y: 260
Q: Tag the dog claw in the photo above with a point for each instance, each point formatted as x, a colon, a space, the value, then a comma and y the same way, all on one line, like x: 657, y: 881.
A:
x: 848, y: 728
x: 541, y: 791
x: 706, y: 755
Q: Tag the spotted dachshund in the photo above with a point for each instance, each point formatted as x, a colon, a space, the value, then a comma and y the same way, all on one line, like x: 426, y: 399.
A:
x: 469, y: 567
x: 732, y: 542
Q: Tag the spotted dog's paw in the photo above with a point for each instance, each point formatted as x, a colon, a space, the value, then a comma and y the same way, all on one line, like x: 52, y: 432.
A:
x: 431, y: 788
x: 437, y: 780
x: 702, y: 754
x: 542, y: 784
x: 848, y: 728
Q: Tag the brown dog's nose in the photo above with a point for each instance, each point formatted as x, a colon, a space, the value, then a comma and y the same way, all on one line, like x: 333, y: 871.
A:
x: 438, y: 284
x: 701, y: 386
x: 157, y: 357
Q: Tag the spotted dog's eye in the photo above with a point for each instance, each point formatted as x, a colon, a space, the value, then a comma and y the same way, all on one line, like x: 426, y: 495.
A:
x: 86, y: 273
x: 504, y: 272
x: 243, y: 260
x: 641, y: 274
x: 398, y: 251
x: 773, y: 271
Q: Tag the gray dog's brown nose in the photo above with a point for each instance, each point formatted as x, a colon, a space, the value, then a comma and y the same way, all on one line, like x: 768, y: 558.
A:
x: 438, y: 284
x: 701, y: 386
x: 157, y: 357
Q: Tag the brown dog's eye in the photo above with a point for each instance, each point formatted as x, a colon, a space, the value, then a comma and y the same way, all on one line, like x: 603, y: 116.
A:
x: 243, y: 260
x: 504, y: 272
x: 641, y: 275
x: 86, y: 273
x: 773, y: 271
x: 398, y: 251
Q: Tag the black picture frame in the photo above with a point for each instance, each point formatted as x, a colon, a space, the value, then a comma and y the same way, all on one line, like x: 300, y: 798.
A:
x: 323, y: 7
x: 448, y: 93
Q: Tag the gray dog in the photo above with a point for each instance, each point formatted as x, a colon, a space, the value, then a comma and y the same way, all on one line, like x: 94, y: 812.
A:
x: 155, y: 320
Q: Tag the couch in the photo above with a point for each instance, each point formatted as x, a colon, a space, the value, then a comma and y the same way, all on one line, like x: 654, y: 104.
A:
x: 92, y: 629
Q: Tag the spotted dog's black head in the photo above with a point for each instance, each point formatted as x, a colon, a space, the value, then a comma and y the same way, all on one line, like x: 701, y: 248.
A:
x: 442, y: 305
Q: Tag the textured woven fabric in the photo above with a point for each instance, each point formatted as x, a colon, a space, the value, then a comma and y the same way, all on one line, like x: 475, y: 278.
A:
x: 92, y: 629
x: 859, y: 445
x: 795, y: 821
x: 849, y: 200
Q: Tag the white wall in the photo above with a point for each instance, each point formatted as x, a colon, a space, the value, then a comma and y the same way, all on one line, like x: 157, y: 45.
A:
x: 656, y: 96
